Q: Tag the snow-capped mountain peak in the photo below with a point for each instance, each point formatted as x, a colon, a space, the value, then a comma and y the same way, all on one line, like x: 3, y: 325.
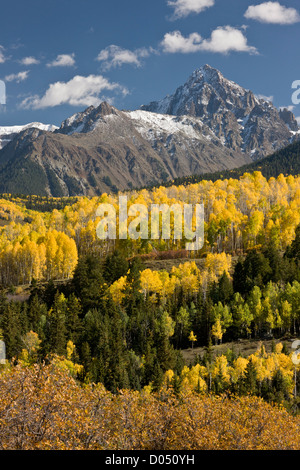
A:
x: 86, y: 121
x: 7, y: 133
x: 208, y: 124
x: 234, y: 114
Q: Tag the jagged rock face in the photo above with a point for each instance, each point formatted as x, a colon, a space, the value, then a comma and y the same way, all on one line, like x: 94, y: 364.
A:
x: 209, y: 124
x: 234, y: 114
x: 288, y: 117
x: 85, y: 122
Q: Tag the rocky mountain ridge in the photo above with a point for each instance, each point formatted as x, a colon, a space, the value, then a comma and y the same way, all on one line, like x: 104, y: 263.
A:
x: 236, y: 116
x: 7, y: 133
x: 209, y: 124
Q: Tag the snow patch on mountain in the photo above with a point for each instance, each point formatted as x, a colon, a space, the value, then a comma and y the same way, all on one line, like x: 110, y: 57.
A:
x: 7, y: 133
x: 151, y: 125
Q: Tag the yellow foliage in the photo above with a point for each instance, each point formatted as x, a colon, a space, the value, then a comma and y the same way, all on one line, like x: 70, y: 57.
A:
x: 192, y: 378
x: 239, y: 368
x: 221, y: 368
x: 51, y: 411
x: 216, y: 330
x: 239, y: 214
x: 117, y: 289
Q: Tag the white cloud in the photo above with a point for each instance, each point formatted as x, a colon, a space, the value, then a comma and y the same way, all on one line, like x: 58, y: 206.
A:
x: 63, y: 60
x: 289, y: 108
x: 17, y: 77
x: 265, y: 98
x: 222, y: 40
x: 272, y: 12
x: 175, y: 42
x: 183, y: 8
x: 29, y: 61
x: 225, y: 39
x: 115, y: 56
x: 79, y: 91
x: 298, y: 120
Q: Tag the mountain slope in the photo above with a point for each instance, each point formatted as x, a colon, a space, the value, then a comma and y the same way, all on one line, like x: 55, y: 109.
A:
x: 285, y: 161
x: 235, y: 115
x: 103, y: 149
x: 77, y: 163
x: 209, y: 124
x: 7, y: 133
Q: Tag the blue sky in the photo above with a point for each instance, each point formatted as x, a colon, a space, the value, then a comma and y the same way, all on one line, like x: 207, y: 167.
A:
x: 58, y: 57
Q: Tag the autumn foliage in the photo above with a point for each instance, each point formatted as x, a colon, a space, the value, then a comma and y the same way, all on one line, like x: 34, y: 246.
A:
x: 43, y: 408
x: 95, y: 360
x: 239, y: 215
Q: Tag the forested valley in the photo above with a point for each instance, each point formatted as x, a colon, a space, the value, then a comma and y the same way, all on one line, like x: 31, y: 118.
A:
x: 111, y: 321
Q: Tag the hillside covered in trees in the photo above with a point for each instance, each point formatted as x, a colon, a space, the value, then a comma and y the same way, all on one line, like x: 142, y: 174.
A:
x: 239, y: 215
x: 285, y: 161
x: 96, y: 315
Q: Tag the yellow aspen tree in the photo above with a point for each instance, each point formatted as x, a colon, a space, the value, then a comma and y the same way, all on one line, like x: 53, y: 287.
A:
x: 217, y: 331
x: 238, y: 369
x: 116, y: 290
x: 192, y: 378
x: 51, y: 249
x: 221, y: 369
x: 192, y: 338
